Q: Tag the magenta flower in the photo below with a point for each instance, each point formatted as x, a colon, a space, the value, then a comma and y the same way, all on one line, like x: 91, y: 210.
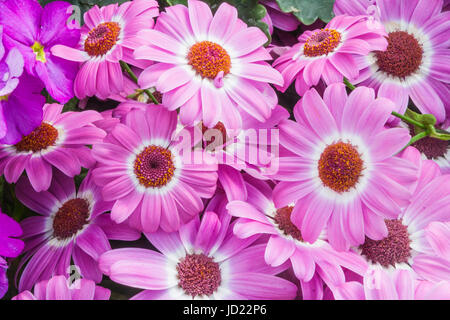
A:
x: 396, y: 285
x: 59, y: 141
x: 9, y: 247
x: 212, y: 68
x: 330, y: 53
x: 42, y: 28
x: 108, y: 36
x: 416, y: 62
x: 204, y: 260
x: 343, y: 174
x: 142, y: 168
x: 258, y: 216
x: 70, y: 225
x: 20, y: 99
x: 59, y: 288
x: 406, y: 245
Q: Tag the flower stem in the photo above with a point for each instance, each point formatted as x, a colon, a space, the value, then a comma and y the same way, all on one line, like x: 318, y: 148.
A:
x: 408, y: 119
x: 416, y: 138
x: 128, y: 70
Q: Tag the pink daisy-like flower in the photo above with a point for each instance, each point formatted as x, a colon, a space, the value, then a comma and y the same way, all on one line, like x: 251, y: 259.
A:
x: 204, y: 260
x: 154, y: 179
x: 406, y: 245
x: 70, y: 226
x: 60, y: 141
x: 212, y: 68
x: 258, y: 215
x: 343, y: 173
x: 108, y: 36
x: 416, y: 63
x: 59, y: 288
x: 329, y: 53
x: 400, y: 284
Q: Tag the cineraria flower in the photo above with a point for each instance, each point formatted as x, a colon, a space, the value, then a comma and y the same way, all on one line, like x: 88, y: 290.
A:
x: 416, y: 62
x: 40, y: 29
x: 258, y: 215
x: 406, y: 245
x: 329, y: 53
x: 70, y: 226
x: 59, y: 141
x: 154, y: 179
x: 9, y: 247
x: 277, y: 18
x: 204, y: 260
x: 400, y: 284
x: 59, y: 288
x: 108, y: 36
x: 210, y: 67
x: 343, y: 173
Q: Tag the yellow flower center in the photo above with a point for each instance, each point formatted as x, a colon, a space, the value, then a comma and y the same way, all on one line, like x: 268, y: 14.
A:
x: 38, y: 50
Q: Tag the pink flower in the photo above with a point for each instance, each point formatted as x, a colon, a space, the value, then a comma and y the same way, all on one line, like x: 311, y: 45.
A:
x: 343, y: 174
x: 59, y: 288
x: 416, y: 62
x: 70, y: 225
x: 108, y: 36
x: 258, y: 215
x: 212, y: 68
x: 396, y: 285
x: 60, y: 141
x: 330, y: 53
x: 408, y: 244
x: 143, y: 169
x: 232, y: 267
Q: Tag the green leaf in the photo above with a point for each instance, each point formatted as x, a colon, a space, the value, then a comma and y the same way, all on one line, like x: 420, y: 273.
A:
x: 308, y: 11
x: 250, y: 11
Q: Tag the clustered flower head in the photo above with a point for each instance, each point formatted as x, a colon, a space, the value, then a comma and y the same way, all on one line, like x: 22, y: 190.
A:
x: 183, y: 153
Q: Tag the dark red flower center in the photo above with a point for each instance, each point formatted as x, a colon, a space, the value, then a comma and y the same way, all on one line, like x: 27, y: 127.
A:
x: 208, y: 59
x: 340, y: 166
x: 215, y: 137
x: 283, y: 220
x: 321, y: 43
x: 198, y: 275
x: 154, y: 166
x: 39, y: 139
x: 70, y: 218
x: 395, y: 248
x: 403, y: 55
x: 102, y: 38
x: 432, y: 148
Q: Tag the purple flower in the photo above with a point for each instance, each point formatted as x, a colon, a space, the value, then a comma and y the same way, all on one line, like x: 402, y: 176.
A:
x: 20, y: 99
x: 9, y: 247
x: 42, y: 28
